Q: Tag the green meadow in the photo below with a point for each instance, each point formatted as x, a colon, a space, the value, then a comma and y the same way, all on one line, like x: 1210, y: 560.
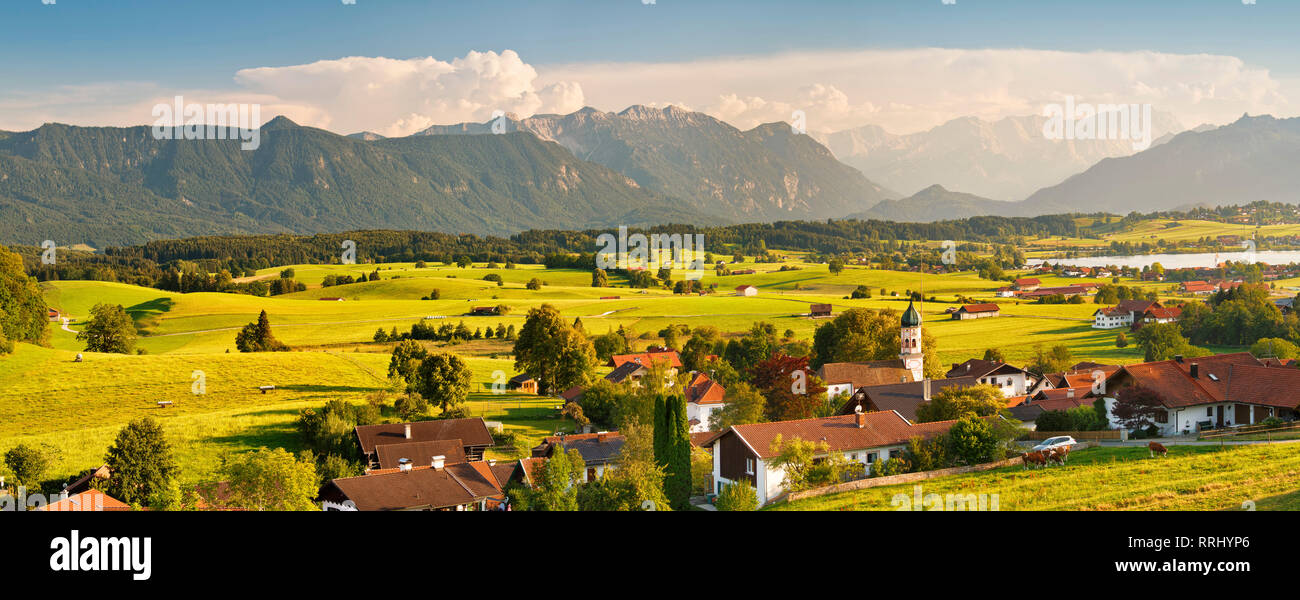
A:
x: 1189, y: 478
x: 46, y: 396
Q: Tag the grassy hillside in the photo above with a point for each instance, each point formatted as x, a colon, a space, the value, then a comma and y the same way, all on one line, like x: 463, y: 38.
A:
x: 1190, y: 478
x: 45, y: 396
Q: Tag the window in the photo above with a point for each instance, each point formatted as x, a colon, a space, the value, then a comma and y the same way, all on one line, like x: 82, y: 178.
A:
x: 1162, y: 417
x: 1209, y: 411
x: 749, y: 466
x: 871, y: 457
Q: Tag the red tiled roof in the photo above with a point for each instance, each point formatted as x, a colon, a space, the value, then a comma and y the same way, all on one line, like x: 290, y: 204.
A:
x: 89, y: 500
x: 703, y: 390
x: 974, y: 308
x: 1028, y: 281
x: 1269, y: 386
x: 1173, y: 382
x: 420, y: 453
x: 674, y: 359
x: 883, y: 428
x: 421, y: 487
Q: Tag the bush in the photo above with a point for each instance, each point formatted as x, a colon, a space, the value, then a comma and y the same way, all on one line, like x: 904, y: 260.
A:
x: 737, y: 496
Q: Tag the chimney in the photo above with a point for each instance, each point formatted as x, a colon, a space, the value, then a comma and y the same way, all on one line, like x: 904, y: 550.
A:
x: 925, y: 389
x: 1178, y: 358
x: 408, y: 431
x: 1196, y: 370
x: 438, y: 461
x: 1069, y: 393
x: 602, y: 437
x: 492, y: 462
x: 63, y: 494
x: 404, y: 465
x: 859, y: 417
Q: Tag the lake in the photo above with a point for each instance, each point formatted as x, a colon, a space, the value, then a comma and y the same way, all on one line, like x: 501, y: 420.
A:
x: 1181, y: 261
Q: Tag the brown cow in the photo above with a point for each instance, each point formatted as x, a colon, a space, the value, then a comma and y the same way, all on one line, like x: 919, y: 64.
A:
x: 1059, y: 454
x: 1034, y: 459
x: 1155, y: 448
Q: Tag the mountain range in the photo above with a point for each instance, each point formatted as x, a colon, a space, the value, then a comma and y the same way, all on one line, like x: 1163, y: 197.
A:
x: 592, y: 169
x: 763, y: 174
x: 1007, y: 159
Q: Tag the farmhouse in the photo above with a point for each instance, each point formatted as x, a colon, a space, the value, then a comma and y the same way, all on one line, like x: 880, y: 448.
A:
x: 463, y: 486
x: 745, y: 452
x: 845, y: 377
x: 1124, y: 314
x: 819, y: 310
x: 1027, y: 284
x: 704, y: 396
x: 1208, y: 392
x: 1013, y: 381
x: 484, y: 311
x: 600, y: 451
x: 523, y: 382
x: 472, y: 433
x: 976, y: 311
x: 1198, y: 287
x: 1069, y: 290
x: 746, y: 290
x: 1158, y: 314
x: 53, y: 314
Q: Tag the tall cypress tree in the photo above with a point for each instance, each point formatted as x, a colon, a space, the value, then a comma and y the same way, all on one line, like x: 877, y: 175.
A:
x: 677, y: 452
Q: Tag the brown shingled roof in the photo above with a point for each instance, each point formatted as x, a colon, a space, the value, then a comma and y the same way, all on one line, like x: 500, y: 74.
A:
x: 420, y: 453
x: 471, y: 432
x: 427, y: 488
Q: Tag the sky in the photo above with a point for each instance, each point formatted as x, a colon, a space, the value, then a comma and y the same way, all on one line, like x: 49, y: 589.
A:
x: 397, y: 66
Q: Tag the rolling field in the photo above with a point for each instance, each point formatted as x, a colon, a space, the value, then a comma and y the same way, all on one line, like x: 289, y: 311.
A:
x: 1190, y: 478
x: 46, y: 396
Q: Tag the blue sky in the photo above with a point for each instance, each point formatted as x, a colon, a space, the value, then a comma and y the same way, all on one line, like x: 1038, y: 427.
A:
x: 185, y: 44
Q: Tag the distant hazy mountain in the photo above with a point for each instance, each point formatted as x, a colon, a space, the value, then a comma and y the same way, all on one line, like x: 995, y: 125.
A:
x: 763, y: 174
x: 108, y: 185
x: 1005, y: 160
x: 936, y: 203
x: 1251, y: 159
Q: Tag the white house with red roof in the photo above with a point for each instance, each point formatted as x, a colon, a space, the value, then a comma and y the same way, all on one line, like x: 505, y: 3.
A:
x: 1224, y: 390
x: 704, y: 396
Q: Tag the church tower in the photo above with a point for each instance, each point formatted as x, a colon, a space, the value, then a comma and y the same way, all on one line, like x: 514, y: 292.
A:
x: 910, y: 342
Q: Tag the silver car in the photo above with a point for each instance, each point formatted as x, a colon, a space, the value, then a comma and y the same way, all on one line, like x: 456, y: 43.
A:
x: 1056, y: 442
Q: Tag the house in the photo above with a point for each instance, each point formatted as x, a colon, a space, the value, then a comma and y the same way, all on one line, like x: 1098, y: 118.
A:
x: 746, y: 290
x: 845, y: 377
x: 53, y: 314
x: 600, y: 451
x: 1124, y: 314
x: 976, y: 311
x: 819, y: 310
x: 1013, y: 381
x: 1069, y: 290
x: 472, y: 433
x: 632, y: 367
x: 523, y: 382
x: 704, y: 396
x: 1028, y: 284
x: 1005, y: 292
x: 484, y: 311
x: 1198, y: 287
x: 1222, y: 390
x: 1158, y: 314
x: 1286, y: 305
x: 452, y: 487
x: 745, y: 452
x: 332, y: 299
x: 902, y: 398
x: 88, y: 501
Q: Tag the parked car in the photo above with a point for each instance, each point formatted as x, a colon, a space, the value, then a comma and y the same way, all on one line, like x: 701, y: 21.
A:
x: 1055, y: 442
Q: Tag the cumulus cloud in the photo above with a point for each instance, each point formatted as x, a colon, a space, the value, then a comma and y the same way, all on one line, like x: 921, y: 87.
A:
x: 399, y: 97
x: 902, y: 90
x: 908, y: 90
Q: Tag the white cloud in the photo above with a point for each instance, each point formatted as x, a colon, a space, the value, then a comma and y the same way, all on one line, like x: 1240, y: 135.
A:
x: 901, y: 90
x: 914, y: 89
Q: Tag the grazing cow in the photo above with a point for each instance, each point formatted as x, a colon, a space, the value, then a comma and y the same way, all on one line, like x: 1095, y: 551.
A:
x: 1059, y: 454
x: 1155, y: 448
x: 1034, y: 459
